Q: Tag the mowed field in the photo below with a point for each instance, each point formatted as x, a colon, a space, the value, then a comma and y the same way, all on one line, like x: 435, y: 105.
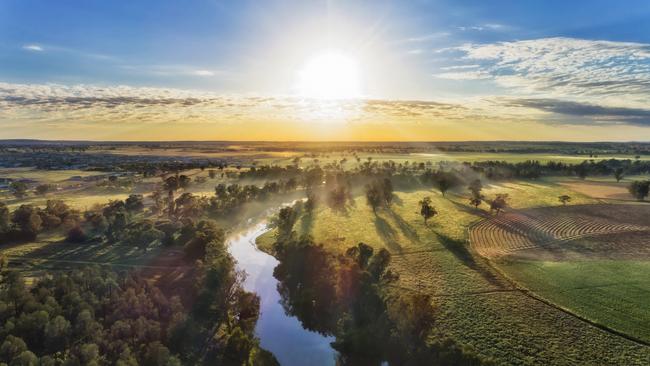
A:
x: 593, y: 260
x: 475, y: 303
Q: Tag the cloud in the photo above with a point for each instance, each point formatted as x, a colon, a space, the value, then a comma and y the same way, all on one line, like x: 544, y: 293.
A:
x: 33, y: 48
x: 425, y: 37
x: 88, y: 104
x: 464, y: 75
x: 586, y: 111
x: 484, y: 27
x: 203, y: 73
x: 565, y: 67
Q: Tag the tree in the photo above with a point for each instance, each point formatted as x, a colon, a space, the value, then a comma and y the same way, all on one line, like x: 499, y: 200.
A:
x: 475, y: 188
x: 207, y: 237
x: 373, y: 196
x: 18, y: 189
x: 11, y: 348
x: 427, y: 211
x: 42, y: 189
x: 25, y: 358
x: 475, y: 201
x: 582, y: 171
x: 134, y: 203
x: 499, y: 202
x: 171, y: 184
x: 158, y: 202
x: 28, y: 220
x: 361, y: 254
x: 639, y: 189
x: 212, y: 173
x: 285, y: 221
x: 619, y: 173
x: 564, y: 199
x: 4, y: 217
x: 76, y: 235
x: 387, y: 191
x: 312, y: 200
x: 184, y: 181
x: 188, y: 206
x: 443, y: 183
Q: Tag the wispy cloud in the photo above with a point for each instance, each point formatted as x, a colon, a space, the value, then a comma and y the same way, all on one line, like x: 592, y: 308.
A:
x: 65, y: 104
x: 33, y: 48
x: 484, y: 27
x: 203, y: 73
x: 62, y: 106
x: 171, y: 70
x: 565, y: 67
x: 425, y: 37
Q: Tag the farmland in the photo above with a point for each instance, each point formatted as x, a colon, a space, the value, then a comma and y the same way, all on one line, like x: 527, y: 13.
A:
x: 510, y: 287
x: 591, y: 260
x: 474, y: 302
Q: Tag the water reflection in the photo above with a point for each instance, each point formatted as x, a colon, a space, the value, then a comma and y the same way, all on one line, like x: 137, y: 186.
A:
x: 280, y: 333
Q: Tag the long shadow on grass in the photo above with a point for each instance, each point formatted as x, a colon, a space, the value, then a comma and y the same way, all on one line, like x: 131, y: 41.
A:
x: 92, y: 252
x: 404, y: 227
x: 471, y: 210
x: 398, y: 201
x: 459, y: 250
x: 387, y: 234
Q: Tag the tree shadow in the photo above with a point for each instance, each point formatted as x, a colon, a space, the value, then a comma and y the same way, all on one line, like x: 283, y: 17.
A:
x: 397, y: 201
x: 387, y: 234
x: 459, y: 249
x: 404, y: 227
x: 472, y: 210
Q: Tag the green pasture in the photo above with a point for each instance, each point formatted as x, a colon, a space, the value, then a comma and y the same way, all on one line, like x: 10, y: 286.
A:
x: 613, y: 293
x: 475, y: 304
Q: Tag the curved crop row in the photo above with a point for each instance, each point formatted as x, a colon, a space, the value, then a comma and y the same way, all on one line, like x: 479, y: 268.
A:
x: 520, y: 230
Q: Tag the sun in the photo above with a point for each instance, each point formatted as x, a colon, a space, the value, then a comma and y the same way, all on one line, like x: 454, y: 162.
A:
x: 329, y: 75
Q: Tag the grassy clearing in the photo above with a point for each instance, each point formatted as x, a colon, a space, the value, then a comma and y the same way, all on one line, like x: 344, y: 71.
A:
x: 51, y: 253
x: 78, y: 200
x: 475, y: 304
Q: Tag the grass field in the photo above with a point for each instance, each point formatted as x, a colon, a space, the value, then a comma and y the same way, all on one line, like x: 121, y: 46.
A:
x: 614, y: 293
x: 593, y: 260
x: 78, y: 200
x: 475, y: 304
x: 51, y: 253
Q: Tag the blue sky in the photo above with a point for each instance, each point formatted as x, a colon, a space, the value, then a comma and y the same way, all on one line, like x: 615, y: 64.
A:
x: 526, y: 59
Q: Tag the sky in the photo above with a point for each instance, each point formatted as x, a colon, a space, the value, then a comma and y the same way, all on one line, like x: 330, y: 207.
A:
x: 325, y: 70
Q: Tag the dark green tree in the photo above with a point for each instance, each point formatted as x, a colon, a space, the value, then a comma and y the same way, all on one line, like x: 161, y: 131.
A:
x: 427, y: 211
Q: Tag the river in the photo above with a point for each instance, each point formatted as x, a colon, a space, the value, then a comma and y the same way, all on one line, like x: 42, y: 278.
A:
x: 279, y: 333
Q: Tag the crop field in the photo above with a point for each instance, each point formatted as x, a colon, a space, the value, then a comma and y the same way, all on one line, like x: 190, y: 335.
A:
x: 593, y: 260
x: 475, y: 303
